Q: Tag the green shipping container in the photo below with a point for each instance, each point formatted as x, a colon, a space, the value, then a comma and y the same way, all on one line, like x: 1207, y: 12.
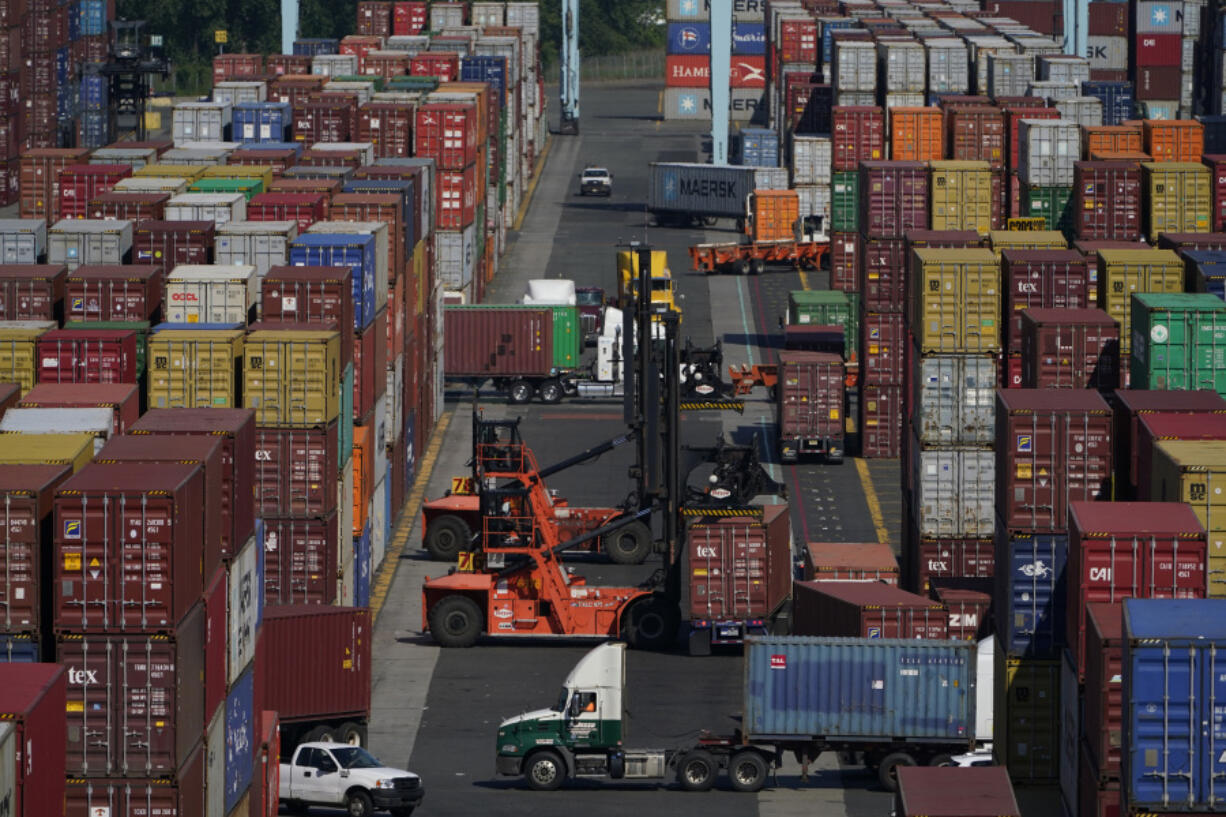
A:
x: 811, y: 307
x: 426, y: 84
x: 375, y: 81
x: 1178, y: 341
x: 141, y: 328
x: 845, y: 202
x: 248, y: 187
x: 1052, y: 204
x: 344, y: 425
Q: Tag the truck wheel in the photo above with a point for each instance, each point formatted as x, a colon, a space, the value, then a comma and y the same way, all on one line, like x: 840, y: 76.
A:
x: 651, y: 624
x: 455, y: 622
x: 544, y: 771
x: 551, y: 392
x: 358, y: 804
x: 630, y: 545
x: 942, y: 759
x: 887, y: 772
x: 447, y: 537
x: 352, y: 733
x: 757, y: 266
x: 697, y: 770
x: 741, y: 266
x: 747, y: 771
x: 520, y: 391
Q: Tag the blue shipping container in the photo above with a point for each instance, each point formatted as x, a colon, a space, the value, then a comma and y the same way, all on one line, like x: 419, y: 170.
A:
x: 748, y: 39
x: 312, y: 47
x: 1115, y: 96
x: 261, y: 121
x: 66, y: 106
x: 1031, y: 595
x: 337, y: 250
x: 63, y: 65
x: 92, y: 18
x: 428, y: 169
x: 405, y: 188
x: 74, y: 25
x: 859, y: 688
x: 20, y: 649
x: 297, y: 147
x: 828, y: 29
x: 689, y: 38
x: 92, y: 130
x: 759, y: 147
x: 1174, y: 686
x: 361, y: 567
x: 1215, y: 133
x: 95, y: 90
x: 486, y: 68
x: 240, y: 738
x: 1207, y: 271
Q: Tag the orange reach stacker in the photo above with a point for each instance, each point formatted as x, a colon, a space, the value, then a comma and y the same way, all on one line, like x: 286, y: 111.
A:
x: 752, y: 258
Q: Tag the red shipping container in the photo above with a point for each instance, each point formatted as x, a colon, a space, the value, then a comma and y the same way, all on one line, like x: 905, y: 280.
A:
x: 929, y: 560
x: 32, y: 292
x: 386, y: 207
x: 303, y: 208
x: 265, y: 783
x: 1158, y: 49
x: 359, y: 46
x: 40, y: 180
x: 296, y: 471
x: 844, y: 261
x: 1152, y: 428
x: 310, y: 295
x: 1053, y: 447
x: 374, y: 19
x: 323, y: 120
x: 80, y: 184
x: 1013, y: 118
x: 1011, y: 371
x: 865, y: 610
x: 1107, y: 201
x: 330, y: 158
x: 177, y: 796
x: 976, y: 133
x: 389, y: 127
x: 797, y: 41
x: 1108, y: 19
x: 446, y: 133
x: 1056, y: 279
x: 122, y: 398
x: 883, y: 350
x: 694, y: 71
x: 893, y: 198
x: 1069, y: 349
x: 280, y: 64
x: 234, y: 66
x: 1097, y: 797
x: 28, y: 492
x: 369, y: 366
x: 295, y: 89
x: 883, y: 281
x: 302, y: 557
x: 387, y: 65
x: 1217, y: 187
x: 844, y: 562
x: 1159, y: 81
x: 216, y: 607
x: 105, y: 292
x: 857, y: 135
x: 87, y: 356
x: 809, y: 405
x: 968, y: 612
x: 1102, y: 718
x: 409, y: 17
x: 128, y: 206
x: 1130, y: 404
x: 442, y: 64
x: 171, y: 243
x: 1122, y: 550
x: 136, y: 703
x: 457, y: 198
x: 34, y: 701
x: 880, y: 421
x: 330, y: 645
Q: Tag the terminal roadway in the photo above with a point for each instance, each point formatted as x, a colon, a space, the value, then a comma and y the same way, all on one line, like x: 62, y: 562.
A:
x: 437, y: 711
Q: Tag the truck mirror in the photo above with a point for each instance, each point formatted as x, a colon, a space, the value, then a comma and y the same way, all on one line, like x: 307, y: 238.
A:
x: 574, y: 706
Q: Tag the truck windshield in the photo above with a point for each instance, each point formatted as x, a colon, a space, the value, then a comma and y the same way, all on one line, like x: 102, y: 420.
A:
x: 563, y: 699
x: 355, y: 757
x: 587, y: 298
x: 661, y: 285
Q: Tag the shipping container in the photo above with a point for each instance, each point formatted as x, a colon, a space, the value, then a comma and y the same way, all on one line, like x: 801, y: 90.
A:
x: 32, y: 292
x: 698, y: 189
x: 955, y: 792
x: 968, y: 612
x: 310, y: 295
x: 953, y: 399
x: 28, y: 492
x: 1130, y: 406
x: 99, y: 292
x: 953, y: 492
x: 75, y: 450
x: 1069, y: 349
x: 865, y: 610
x: 956, y: 301
x: 73, y: 242
x: 291, y: 377
x: 358, y: 252
x: 1191, y: 471
x: 23, y: 241
x: 810, y: 405
x: 839, y: 561
x: 1178, y: 341
x: 961, y: 196
x: 1027, y: 718
x: 880, y: 421
x: 1048, y: 150
x: 195, y: 365
x: 121, y: 398
x: 170, y: 243
x: 31, y: 761
x: 502, y: 342
x: 261, y: 244
x: 1179, y: 196
x: 1042, y: 278
x: 857, y: 135
x: 893, y: 198
x: 1121, y: 273
x: 1101, y: 717
x: 1107, y: 201
x: 1155, y: 428
x: 295, y: 470
x: 302, y: 559
x: 217, y: 294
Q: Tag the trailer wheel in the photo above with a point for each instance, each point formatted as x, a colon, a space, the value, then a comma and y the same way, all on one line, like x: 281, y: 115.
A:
x: 630, y: 545
x: 741, y: 266
x: 551, y: 392
x: 650, y: 624
x: 697, y: 771
x: 942, y: 759
x: 520, y: 391
x: 887, y: 772
x: 544, y: 771
x: 757, y: 266
x: 747, y: 771
x: 447, y: 537
x: 455, y: 621
x: 352, y: 733
x: 709, y: 221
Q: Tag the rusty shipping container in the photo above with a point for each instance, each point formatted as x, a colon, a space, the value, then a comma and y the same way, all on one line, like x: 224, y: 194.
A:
x: 32, y: 292
x: 883, y: 274
x: 843, y: 562
x: 301, y: 559
x: 809, y: 405
x: 295, y: 470
x: 865, y: 610
x: 28, y: 492
x: 1070, y: 349
x: 1129, y: 405
x: 1102, y: 717
x: 1049, y: 279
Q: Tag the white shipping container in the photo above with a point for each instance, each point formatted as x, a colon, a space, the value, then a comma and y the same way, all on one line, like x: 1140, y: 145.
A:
x: 228, y: 147
x: 97, y: 421
x: 411, y: 44
x: 379, y: 531
x: 1086, y: 111
x: 814, y: 201
x: 955, y: 492
x: 1052, y: 90
x: 214, y: 765
x: 902, y: 66
x: 194, y: 156
x: 443, y: 15
x: 955, y: 400
x: 76, y: 241
x: 1063, y: 68
x: 379, y: 420
x: 855, y: 66
x: 219, y: 208
x: 455, y: 256
x: 395, y: 406
x: 234, y: 92
x: 334, y: 65
x: 244, y: 586
x: 200, y: 122
x: 362, y: 90
x: 211, y: 293
x: 526, y: 16
x: 366, y: 149
x: 262, y: 244
x: 904, y: 100
x: 1187, y: 56
x: 980, y: 51
x: 1049, y: 147
x: 488, y: 14
x: 135, y: 157
x: 1010, y: 74
x: 695, y: 103
x: 860, y: 98
x: 1107, y: 53
x: 811, y: 159
x: 948, y: 66
x: 379, y: 230
x: 151, y: 184
x: 22, y: 240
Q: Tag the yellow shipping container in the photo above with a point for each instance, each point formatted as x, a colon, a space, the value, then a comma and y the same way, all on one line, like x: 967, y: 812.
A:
x: 292, y: 378
x: 1179, y: 196
x: 961, y: 196
x: 262, y: 172
x: 1026, y: 695
x: 1124, y: 272
x: 188, y: 172
x: 47, y: 449
x: 18, y: 351
x: 956, y: 301
x: 1194, y: 471
x: 194, y: 368
x: 1001, y: 240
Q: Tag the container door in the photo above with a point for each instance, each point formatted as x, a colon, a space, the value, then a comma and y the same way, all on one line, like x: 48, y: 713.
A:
x: 215, y: 766
x: 10, y: 794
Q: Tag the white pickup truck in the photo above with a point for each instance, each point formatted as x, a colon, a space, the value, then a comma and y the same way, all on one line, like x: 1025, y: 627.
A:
x: 338, y: 774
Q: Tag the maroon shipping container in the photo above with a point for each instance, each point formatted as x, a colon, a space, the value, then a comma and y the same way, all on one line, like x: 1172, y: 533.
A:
x: 233, y: 66
x: 1129, y: 404
x: 114, y: 292
x: 797, y: 41
x: 447, y: 133
x: 1013, y: 118
x: 1152, y: 428
x: 324, y: 119
x: 809, y: 404
x: 386, y: 207
x: 977, y: 133
x: 310, y: 295
x: 369, y: 366
x: 171, y: 243
x: 330, y: 158
x: 304, y: 208
x: 301, y: 560
x: 1108, y: 19
x: 235, y: 428
x: 218, y: 487
x: 33, y: 700
x: 893, y: 198
x: 927, y: 562
x: 883, y: 279
x: 1102, y: 718
x: 387, y: 65
x: 968, y: 612
x: 1122, y: 550
x: 845, y: 261
x: 87, y: 356
x: 740, y: 570
x: 295, y: 89
x: 844, y: 562
x: 122, y: 398
x: 1191, y: 241
x: 280, y: 64
x: 883, y: 349
x: 857, y: 135
x: 374, y: 19
x: 1157, y: 50
x: 28, y: 492
x: 1158, y: 81
x: 389, y: 127
x: 81, y: 184
x: 40, y: 180
x: 880, y: 421
x: 32, y: 292
x: 498, y: 342
x: 216, y: 643
x: 865, y: 610
x: 278, y: 160
x: 135, y: 703
x: 296, y: 471
x: 935, y: 791
x: 1096, y: 798
x: 941, y: 239
x: 442, y: 64
x: 126, y: 206
x: 1057, y: 279
x: 456, y: 198
x: 1107, y: 201
x: 327, y: 187
x: 1069, y: 349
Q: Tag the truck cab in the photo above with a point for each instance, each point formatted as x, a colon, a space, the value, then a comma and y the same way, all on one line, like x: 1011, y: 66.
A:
x: 663, y: 291
x: 337, y: 774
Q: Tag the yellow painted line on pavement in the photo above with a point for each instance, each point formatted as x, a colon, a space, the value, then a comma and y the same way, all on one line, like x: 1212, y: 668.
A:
x: 660, y: 104
x: 540, y: 171
x: 874, y: 506
x: 400, y: 537
x: 804, y: 279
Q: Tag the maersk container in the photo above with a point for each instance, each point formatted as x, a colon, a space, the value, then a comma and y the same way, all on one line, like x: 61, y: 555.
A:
x: 708, y: 190
x: 1174, y: 685
x: 901, y: 689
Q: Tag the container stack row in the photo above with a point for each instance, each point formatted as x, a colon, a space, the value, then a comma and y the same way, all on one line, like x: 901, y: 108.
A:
x: 687, y: 62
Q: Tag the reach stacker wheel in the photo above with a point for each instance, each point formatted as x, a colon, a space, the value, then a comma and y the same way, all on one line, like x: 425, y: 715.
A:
x: 455, y: 621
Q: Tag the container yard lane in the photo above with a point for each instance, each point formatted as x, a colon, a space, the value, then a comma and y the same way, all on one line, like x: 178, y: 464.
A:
x: 437, y: 711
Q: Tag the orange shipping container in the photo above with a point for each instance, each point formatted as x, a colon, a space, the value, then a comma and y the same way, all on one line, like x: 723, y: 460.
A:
x: 916, y: 134
x: 1174, y: 140
x: 363, y: 473
x: 775, y: 213
x: 1112, y: 138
